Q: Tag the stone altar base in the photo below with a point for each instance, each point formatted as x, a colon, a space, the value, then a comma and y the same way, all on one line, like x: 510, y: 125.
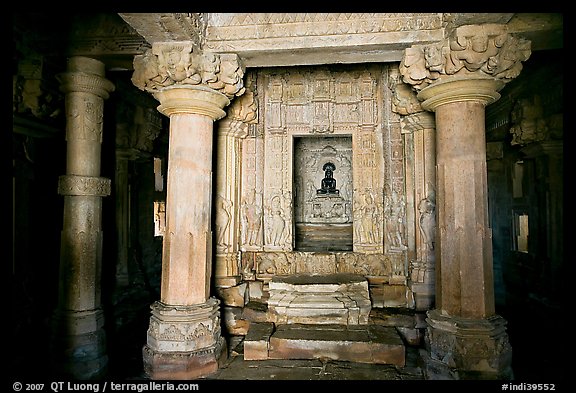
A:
x: 372, y: 344
x: 339, y: 298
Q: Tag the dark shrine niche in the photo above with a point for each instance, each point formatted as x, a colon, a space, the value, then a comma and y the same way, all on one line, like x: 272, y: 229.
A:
x: 323, y: 193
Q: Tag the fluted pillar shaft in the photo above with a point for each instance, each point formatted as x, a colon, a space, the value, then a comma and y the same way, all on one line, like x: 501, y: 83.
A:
x: 465, y: 285
x: 464, y: 313
x: 79, y: 340
x: 187, y: 253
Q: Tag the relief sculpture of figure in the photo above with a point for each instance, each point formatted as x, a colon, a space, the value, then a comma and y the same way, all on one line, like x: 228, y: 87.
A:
x: 366, y: 215
x: 251, y: 220
x: 328, y: 183
x: 223, y: 216
x: 276, y: 223
x: 395, y: 210
x: 427, y: 208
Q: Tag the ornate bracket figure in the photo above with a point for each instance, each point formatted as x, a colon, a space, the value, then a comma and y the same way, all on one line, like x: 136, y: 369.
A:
x: 328, y: 183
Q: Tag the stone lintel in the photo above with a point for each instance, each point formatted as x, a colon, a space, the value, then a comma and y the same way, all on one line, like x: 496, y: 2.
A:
x: 278, y: 39
x: 458, y: 89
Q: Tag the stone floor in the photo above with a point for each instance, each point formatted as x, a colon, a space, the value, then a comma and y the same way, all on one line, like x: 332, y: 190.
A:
x: 236, y: 368
x: 539, y: 332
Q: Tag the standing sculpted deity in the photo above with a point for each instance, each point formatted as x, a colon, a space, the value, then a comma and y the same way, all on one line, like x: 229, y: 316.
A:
x: 427, y: 209
x: 275, y: 230
x: 223, y: 217
x: 366, y: 214
x: 251, y: 220
x: 395, y: 211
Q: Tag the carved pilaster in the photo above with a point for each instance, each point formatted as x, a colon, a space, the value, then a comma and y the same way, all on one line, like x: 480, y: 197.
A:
x: 420, y: 145
x: 231, y: 133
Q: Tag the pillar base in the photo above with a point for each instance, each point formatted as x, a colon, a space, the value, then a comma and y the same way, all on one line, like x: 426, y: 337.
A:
x: 184, y: 365
x: 79, y: 345
x: 461, y: 348
x: 184, y: 342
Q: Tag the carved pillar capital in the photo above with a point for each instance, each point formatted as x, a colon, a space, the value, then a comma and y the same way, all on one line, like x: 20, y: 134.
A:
x: 472, y: 51
x: 85, y: 75
x: 178, y: 64
x: 458, y: 89
x: 200, y: 100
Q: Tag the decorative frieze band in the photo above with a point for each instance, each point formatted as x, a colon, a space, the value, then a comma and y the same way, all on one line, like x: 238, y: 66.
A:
x: 84, y: 185
x: 175, y: 63
x: 472, y: 50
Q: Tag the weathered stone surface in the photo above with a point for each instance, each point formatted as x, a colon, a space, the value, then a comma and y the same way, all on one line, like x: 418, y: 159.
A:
x: 255, y: 290
x: 236, y: 296
x: 257, y: 340
x: 364, y: 344
x: 184, y: 365
x: 389, y: 296
x: 319, y: 299
x: 234, y: 323
x: 255, y: 312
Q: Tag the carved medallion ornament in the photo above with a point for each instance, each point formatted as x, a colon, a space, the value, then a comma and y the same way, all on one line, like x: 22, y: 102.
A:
x: 474, y: 50
x: 175, y: 63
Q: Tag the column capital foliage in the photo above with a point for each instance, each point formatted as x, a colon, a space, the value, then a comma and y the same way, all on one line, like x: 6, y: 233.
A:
x: 177, y: 63
x: 472, y: 50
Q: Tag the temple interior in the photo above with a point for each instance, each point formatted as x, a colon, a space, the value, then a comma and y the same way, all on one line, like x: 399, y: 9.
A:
x: 378, y: 193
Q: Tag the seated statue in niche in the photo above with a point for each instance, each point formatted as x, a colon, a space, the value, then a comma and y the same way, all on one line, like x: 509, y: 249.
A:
x: 328, y: 185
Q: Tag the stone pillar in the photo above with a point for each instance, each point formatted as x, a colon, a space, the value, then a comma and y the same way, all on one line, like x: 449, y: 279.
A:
x: 456, y: 79
x: 184, y: 337
x: 78, y: 338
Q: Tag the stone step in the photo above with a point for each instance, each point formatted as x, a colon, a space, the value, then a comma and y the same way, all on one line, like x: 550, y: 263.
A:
x: 372, y: 344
